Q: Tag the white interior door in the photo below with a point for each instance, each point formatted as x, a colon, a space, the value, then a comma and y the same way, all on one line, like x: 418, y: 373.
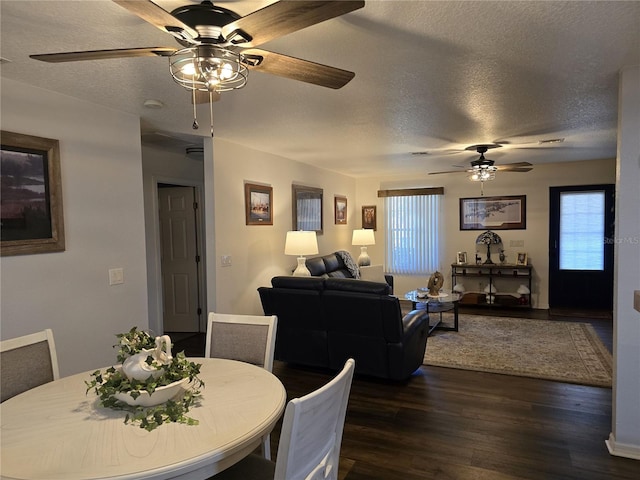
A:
x: 179, y: 259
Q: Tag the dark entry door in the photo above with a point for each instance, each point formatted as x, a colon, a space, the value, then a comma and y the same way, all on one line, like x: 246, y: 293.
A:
x: 581, y: 241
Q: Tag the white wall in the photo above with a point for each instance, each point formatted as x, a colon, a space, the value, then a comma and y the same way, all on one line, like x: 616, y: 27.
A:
x: 258, y: 251
x: 625, y: 436
x: 161, y: 166
x: 534, y: 184
x: 104, y: 228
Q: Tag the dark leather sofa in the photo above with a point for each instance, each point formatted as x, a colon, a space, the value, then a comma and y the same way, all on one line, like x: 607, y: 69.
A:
x: 324, y: 321
x: 333, y: 266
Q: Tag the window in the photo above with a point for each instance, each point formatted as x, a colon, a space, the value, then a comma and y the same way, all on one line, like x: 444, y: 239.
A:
x: 411, y: 223
x: 582, y: 234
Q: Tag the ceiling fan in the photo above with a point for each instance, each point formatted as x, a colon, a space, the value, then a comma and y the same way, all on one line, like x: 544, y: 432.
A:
x: 218, y: 45
x: 483, y: 169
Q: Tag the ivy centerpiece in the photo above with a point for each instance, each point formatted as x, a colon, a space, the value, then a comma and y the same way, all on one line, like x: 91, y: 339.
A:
x: 148, y: 382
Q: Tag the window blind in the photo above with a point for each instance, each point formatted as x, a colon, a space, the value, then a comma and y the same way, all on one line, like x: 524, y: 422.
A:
x: 411, y: 236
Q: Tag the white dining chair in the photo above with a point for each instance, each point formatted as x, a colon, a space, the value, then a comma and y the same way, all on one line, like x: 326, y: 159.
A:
x: 247, y: 338
x: 26, y: 362
x: 310, y: 438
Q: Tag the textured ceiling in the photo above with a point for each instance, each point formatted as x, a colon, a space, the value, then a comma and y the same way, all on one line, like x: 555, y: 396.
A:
x: 430, y: 77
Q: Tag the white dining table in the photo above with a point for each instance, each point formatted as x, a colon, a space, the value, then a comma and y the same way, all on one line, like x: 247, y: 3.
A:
x: 57, y: 431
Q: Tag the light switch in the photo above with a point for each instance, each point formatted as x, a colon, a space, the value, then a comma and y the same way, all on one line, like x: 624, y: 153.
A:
x: 225, y: 260
x: 116, y: 276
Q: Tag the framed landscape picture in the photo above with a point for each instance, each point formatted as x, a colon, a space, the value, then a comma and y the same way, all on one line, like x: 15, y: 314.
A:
x: 493, y: 213
x: 30, y: 195
x: 258, y: 201
x: 340, y: 207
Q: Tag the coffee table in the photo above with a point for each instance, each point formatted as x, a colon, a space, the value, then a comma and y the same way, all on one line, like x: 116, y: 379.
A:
x: 444, y: 302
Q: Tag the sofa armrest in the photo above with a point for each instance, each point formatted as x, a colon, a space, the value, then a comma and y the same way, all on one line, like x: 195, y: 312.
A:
x: 389, y: 279
x: 412, y: 321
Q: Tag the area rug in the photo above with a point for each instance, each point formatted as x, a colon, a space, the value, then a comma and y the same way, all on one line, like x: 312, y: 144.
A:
x: 548, y: 349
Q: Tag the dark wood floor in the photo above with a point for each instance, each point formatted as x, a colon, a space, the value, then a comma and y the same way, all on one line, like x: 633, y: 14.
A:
x: 458, y: 425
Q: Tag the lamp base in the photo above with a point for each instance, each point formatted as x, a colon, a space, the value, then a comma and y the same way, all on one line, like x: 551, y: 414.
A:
x: 301, y: 270
x: 363, y: 259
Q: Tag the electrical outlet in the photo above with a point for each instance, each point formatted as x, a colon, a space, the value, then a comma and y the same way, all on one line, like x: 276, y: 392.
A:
x: 225, y: 260
x: 116, y: 276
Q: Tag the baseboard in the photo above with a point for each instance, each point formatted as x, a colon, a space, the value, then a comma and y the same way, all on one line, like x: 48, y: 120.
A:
x: 622, y: 450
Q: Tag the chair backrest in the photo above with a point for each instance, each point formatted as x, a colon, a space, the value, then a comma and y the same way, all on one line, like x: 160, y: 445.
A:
x: 247, y: 338
x: 26, y: 362
x: 311, y: 434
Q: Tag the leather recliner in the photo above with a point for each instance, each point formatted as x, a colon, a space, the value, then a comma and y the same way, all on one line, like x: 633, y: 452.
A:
x: 333, y: 266
x: 324, y: 321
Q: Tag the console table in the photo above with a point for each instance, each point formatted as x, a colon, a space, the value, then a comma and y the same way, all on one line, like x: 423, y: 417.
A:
x: 506, y: 278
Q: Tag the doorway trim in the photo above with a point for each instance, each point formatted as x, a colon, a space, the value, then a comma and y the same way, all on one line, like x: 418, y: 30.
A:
x: 157, y: 324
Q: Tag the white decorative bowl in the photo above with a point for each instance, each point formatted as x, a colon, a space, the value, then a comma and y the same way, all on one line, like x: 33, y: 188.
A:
x: 159, y: 396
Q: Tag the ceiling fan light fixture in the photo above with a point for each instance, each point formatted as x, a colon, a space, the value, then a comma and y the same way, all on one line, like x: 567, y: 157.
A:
x: 208, y: 69
x: 483, y: 174
x: 482, y: 171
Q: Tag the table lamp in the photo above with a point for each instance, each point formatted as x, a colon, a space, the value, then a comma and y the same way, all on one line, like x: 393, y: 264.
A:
x: 488, y: 238
x: 524, y: 291
x: 363, y: 237
x: 301, y: 243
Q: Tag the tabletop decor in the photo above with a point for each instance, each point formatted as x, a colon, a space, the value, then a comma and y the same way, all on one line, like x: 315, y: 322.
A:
x: 436, y: 280
x: 148, y: 381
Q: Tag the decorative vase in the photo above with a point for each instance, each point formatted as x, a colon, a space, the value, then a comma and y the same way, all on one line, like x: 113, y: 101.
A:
x: 502, y: 256
x: 139, y: 368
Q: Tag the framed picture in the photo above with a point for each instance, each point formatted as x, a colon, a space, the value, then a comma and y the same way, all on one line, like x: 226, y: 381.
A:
x: 307, y: 208
x: 340, y: 208
x: 462, y: 258
x: 493, y: 213
x: 369, y: 217
x: 30, y: 195
x: 258, y: 201
x: 521, y: 259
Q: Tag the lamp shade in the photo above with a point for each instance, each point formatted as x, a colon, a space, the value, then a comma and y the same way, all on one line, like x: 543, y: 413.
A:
x: 488, y: 238
x: 301, y: 243
x: 490, y: 289
x: 363, y: 236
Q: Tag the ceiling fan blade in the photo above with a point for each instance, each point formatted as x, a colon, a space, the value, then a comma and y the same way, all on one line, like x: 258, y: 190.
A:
x: 160, y: 18
x: 506, y: 168
x: 104, y: 54
x: 282, y: 18
x: 449, y: 171
x: 517, y: 164
x: 296, y: 68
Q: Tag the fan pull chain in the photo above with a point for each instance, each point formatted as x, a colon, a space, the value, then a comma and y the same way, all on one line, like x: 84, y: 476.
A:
x: 211, y: 110
x: 195, y: 125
